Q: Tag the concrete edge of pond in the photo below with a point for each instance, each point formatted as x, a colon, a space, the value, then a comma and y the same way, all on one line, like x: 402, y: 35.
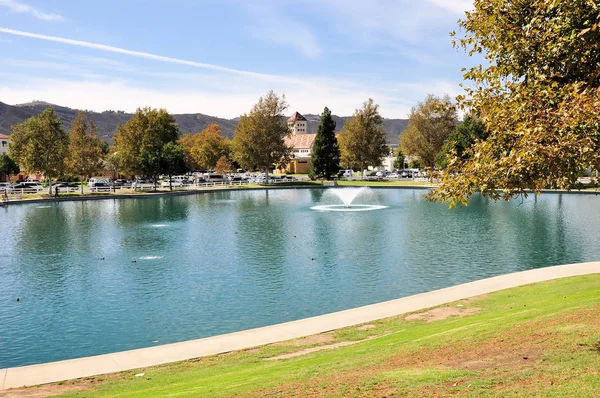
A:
x: 127, y: 360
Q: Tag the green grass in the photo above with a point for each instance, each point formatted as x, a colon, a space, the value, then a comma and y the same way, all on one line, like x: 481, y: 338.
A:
x: 536, y: 340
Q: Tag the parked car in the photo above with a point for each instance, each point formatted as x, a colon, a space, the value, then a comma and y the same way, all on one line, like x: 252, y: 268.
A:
x: 173, y: 183
x: 65, y: 187
x: 28, y: 187
x: 215, y: 177
x: 392, y: 176
x: 98, y: 182
x: 345, y: 173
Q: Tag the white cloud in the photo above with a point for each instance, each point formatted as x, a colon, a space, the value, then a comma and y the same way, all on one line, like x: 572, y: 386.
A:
x: 139, y: 54
x: 223, y: 96
x: 23, y: 8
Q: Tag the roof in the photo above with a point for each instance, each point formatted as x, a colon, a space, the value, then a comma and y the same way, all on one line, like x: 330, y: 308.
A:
x: 4, y: 137
x: 303, y: 141
x: 295, y: 117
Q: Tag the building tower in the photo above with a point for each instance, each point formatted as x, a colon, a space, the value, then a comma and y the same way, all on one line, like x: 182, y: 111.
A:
x: 297, y: 123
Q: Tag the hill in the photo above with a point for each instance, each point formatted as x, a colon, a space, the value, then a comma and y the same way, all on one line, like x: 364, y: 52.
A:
x: 188, y: 123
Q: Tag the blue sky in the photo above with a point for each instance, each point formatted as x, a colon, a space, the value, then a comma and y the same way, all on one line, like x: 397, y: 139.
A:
x: 219, y: 56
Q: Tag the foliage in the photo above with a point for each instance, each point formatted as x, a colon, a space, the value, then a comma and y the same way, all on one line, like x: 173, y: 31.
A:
x: 399, y: 161
x: 8, y: 166
x: 172, y: 160
x: 39, y: 145
x: 187, y: 141
x: 325, y: 159
x: 112, y: 164
x: 140, y: 141
x: 362, y: 141
x: 223, y: 166
x: 259, y: 140
x: 429, y: 124
x: 208, y: 147
x: 415, y: 164
x: 461, y: 139
x: 538, y: 95
x: 85, y: 148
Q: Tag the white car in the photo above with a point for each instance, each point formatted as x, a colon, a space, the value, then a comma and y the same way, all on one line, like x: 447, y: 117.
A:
x: 174, y: 183
x: 393, y: 176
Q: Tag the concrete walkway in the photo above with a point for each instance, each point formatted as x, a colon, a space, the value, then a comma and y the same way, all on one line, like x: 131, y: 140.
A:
x: 126, y: 360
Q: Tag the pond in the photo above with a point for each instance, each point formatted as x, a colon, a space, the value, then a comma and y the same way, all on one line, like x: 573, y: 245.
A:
x: 96, y: 277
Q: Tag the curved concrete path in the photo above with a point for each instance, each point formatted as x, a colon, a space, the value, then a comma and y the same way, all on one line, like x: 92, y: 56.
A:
x: 126, y: 360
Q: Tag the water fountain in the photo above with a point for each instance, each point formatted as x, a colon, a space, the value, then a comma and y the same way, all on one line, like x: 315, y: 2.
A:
x: 347, y: 196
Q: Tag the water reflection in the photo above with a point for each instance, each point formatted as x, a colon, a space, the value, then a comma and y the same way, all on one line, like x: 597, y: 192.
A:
x: 103, y: 276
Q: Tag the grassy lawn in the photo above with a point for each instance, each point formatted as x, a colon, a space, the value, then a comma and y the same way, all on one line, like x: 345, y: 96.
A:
x: 536, y: 340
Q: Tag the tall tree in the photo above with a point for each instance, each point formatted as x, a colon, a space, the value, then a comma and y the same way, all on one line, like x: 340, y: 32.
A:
x: 113, y: 165
x: 538, y: 93
x: 259, y: 139
x: 8, y: 166
x: 39, y: 145
x: 85, y: 148
x: 399, y: 161
x: 429, y: 124
x: 325, y: 158
x: 187, y: 141
x: 462, y: 138
x: 363, y: 137
x: 140, y: 141
x: 209, y: 146
x: 173, y: 160
x: 224, y: 166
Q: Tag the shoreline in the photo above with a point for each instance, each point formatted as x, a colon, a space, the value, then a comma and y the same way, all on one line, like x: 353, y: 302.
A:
x: 133, y: 359
x: 159, y: 194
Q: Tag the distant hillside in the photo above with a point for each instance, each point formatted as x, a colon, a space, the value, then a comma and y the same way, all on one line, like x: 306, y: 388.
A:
x: 188, y: 123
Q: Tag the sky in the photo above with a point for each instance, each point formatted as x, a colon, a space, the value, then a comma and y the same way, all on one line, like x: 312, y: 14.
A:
x: 218, y: 57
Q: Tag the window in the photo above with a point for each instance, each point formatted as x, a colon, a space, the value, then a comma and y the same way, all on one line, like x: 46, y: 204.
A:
x: 4, y: 143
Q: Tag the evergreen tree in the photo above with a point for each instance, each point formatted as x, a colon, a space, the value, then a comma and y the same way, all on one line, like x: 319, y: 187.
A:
x: 325, y: 160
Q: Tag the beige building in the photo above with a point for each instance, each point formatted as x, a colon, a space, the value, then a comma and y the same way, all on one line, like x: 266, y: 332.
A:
x: 301, y: 142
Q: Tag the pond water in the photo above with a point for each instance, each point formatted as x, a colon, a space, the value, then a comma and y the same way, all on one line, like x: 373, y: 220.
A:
x: 102, y: 276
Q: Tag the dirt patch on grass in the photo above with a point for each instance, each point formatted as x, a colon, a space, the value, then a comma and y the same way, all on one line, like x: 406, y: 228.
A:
x: 366, y: 327
x: 441, y: 313
x: 40, y: 391
x: 310, y: 350
x: 310, y: 340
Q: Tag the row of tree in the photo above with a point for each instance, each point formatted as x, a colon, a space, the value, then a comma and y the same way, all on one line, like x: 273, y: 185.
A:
x: 149, y: 144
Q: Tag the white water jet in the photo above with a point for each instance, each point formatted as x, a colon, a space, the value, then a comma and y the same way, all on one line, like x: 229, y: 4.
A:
x: 348, y: 196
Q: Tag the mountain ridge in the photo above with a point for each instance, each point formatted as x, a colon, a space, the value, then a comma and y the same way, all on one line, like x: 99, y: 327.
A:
x: 107, y: 121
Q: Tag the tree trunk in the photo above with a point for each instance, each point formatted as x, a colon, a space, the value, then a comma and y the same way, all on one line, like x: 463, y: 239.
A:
x: 267, y: 173
x: 170, y: 183
x: 81, y: 184
x: 49, y: 186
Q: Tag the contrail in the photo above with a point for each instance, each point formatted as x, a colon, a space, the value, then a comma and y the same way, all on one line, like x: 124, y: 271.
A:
x: 140, y: 54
